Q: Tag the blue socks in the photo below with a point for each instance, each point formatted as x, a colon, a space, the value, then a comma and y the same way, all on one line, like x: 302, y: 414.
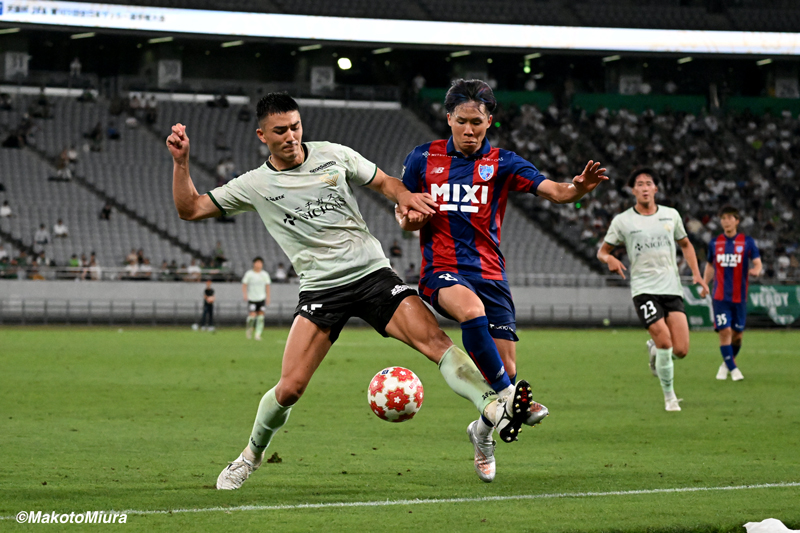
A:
x: 727, y: 356
x: 480, y: 346
x: 736, y: 348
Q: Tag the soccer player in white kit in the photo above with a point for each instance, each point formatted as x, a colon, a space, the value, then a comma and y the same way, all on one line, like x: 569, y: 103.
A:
x: 255, y: 291
x: 649, y: 232
x: 304, y: 195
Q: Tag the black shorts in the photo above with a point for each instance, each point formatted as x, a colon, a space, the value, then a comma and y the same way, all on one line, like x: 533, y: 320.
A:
x: 255, y: 307
x: 653, y: 307
x: 373, y: 298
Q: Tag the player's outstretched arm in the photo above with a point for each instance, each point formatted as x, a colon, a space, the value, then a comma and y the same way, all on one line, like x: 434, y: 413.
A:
x: 614, y: 264
x: 189, y: 203
x: 691, y: 259
x: 565, y: 193
x: 395, y: 191
x: 412, y: 221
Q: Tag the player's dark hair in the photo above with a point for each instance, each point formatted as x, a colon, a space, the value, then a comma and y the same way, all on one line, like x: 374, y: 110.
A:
x: 638, y: 172
x: 462, y: 91
x: 257, y: 258
x: 274, y: 104
x: 730, y: 210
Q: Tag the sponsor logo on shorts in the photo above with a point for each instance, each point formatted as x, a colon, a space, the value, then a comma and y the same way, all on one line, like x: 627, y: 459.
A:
x: 310, y: 308
x: 399, y: 288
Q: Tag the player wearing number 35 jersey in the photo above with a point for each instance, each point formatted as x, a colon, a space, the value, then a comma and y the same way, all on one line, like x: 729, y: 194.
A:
x: 649, y: 232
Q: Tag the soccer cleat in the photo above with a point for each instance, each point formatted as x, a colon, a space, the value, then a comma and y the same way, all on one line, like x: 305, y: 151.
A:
x: 651, y: 349
x: 258, y: 336
x: 484, y: 453
x: 236, y: 473
x: 672, y: 404
x: 537, y: 413
x: 736, y: 374
x: 722, y: 373
x: 513, y: 411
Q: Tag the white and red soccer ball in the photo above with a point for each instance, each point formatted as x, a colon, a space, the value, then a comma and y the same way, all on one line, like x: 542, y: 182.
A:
x: 395, y: 394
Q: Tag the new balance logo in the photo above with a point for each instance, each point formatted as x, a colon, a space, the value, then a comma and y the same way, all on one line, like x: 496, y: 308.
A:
x: 462, y: 196
x: 437, y: 170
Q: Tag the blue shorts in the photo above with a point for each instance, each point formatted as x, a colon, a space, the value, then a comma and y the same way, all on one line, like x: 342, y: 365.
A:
x: 729, y: 315
x: 495, y: 295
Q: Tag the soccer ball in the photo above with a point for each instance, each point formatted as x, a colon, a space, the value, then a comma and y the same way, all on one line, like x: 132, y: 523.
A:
x: 395, y: 394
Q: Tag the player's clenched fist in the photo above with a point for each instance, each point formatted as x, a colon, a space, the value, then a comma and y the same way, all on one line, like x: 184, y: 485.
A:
x: 178, y: 144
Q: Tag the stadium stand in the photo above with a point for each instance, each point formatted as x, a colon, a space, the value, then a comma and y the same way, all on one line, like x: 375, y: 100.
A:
x: 776, y: 15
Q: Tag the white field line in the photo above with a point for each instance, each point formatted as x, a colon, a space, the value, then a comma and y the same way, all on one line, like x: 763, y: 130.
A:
x: 450, y: 500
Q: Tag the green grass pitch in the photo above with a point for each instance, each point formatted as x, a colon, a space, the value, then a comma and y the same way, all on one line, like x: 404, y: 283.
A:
x: 144, y: 420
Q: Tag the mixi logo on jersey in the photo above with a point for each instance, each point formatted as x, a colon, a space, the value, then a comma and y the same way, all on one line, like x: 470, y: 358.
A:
x: 464, y: 197
x: 729, y: 260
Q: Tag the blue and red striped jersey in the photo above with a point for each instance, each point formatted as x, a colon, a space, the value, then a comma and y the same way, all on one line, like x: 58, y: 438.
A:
x: 731, y: 259
x: 472, y: 193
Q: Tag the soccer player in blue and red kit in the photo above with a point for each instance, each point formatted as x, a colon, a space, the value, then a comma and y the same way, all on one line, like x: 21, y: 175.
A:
x: 729, y: 255
x: 463, y: 271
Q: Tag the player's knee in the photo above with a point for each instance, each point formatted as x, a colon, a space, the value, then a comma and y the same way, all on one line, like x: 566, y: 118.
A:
x: 680, y: 351
x: 288, y: 392
x: 473, y: 311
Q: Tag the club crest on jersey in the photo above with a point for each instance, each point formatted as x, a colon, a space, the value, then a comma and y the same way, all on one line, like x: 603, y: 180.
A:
x: 739, y: 249
x: 330, y: 178
x: 486, y: 172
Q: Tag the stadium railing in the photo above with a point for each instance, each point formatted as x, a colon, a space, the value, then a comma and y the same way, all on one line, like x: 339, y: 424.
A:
x: 46, y: 273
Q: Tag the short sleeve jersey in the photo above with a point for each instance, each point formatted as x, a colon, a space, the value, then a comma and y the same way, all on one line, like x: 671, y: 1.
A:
x: 730, y: 257
x: 650, y: 243
x: 310, y: 210
x: 256, y: 285
x: 472, y: 193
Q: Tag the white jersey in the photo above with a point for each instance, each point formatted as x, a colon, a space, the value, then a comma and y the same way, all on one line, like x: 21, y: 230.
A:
x: 650, y: 242
x: 256, y: 285
x: 310, y: 210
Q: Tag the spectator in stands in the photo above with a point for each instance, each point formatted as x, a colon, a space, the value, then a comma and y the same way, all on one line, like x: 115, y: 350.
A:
x: 151, y: 110
x: 134, y: 105
x: 105, y: 213
x: 3, y: 253
x: 41, y: 107
x: 63, y: 170
x: 173, y: 271
x: 131, y: 123
x: 145, y: 269
x: 95, y: 136
x: 131, y: 270
x: 395, y: 250
x: 140, y: 256
x: 132, y: 256
x: 74, y: 262
x: 42, y: 236
x: 60, y: 230
x: 244, y: 114
x: 218, y: 255
x: 95, y: 272
x: 87, y: 96
x: 220, y: 143
x: 5, y: 210
x: 280, y: 275
x: 411, y: 275
x: 193, y: 271
x: 220, y: 101
x: 75, y: 68
x: 112, y: 132
x: 5, y: 102
x: 418, y: 82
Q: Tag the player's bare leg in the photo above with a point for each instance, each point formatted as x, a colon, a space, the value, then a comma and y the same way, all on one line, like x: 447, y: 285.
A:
x: 305, y: 349
x: 662, y: 337
x: 413, y: 324
x: 679, y: 332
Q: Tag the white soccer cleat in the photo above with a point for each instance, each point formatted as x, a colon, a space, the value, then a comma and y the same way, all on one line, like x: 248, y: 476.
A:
x: 258, y: 336
x: 722, y: 373
x: 672, y: 404
x: 236, y: 473
x: 484, y: 453
x: 651, y: 350
x: 736, y: 374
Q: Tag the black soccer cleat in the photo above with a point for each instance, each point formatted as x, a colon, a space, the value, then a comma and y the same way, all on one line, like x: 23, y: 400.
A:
x: 514, y: 411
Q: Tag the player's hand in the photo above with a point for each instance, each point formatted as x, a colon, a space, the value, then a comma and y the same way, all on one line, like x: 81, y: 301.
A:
x: 420, y: 202
x: 591, y: 176
x: 615, y: 265
x: 755, y: 272
x: 178, y: 144
x: 703, y: 285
